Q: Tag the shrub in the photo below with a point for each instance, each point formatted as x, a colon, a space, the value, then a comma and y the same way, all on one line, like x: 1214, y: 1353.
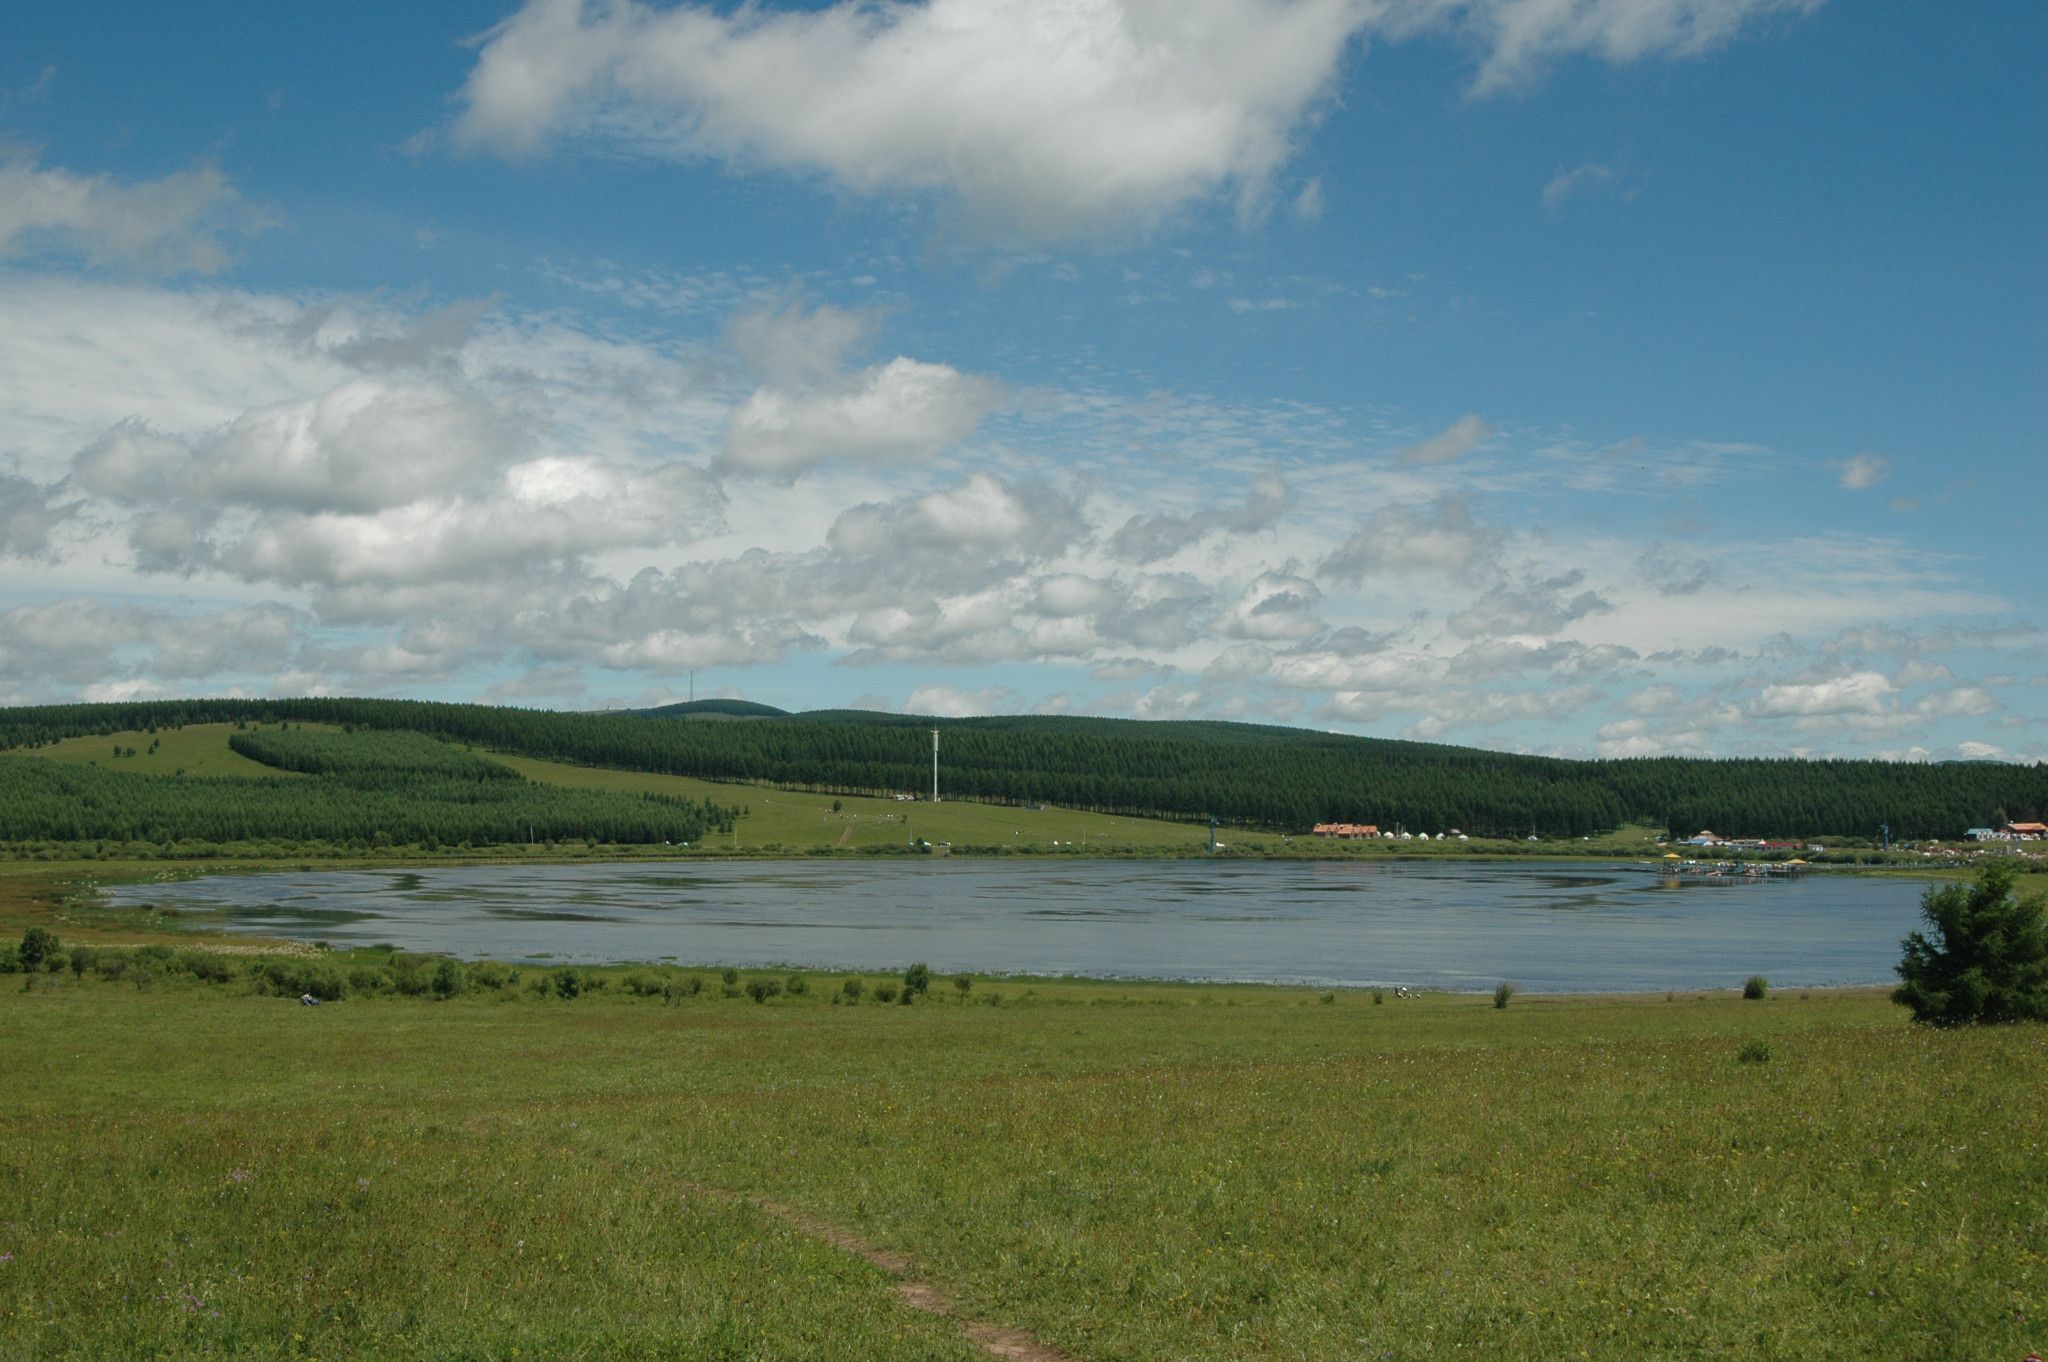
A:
x: 111, y: 964
x: 37, y: 945
x: 853, y: 988
x: 1754, y: 1052
x: 918, y: 978
x: 1327, y: 998
x: 962, y: 983
x: 907, y: 997
x: 56, y: 962
x: 885, y: 993
x: 488, y: 976
x: 323, y: 981
x: 797, y: 985
x: 447, y: 979
x: 207, y: 967
x: 1502, y: 991
x: 364, y: 979
x: 729, y: 976
x: 409, y: 975
x: 10, y: 960
x: 761, y: 990
x: 1984, y: 957
x: 1379, y: 997
x: 82, y: 959
x: 1756, y: 987
x: 568, y: 983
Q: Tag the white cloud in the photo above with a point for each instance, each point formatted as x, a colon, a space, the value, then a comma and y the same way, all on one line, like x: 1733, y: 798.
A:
x: 1454, y: 441
x: 1580, y: 179
x: 812, y: 409
x: 947, y: 703
x: 1149, y: 538
x: 1863, y: 693
x: 1521, y: 37
x: 905, y: 411
x: 1308, y: 204
x: 1277, y: 607
x: 1963, y: 701
x: 1039, y: 121
x: 174, y: 225
x: 1860, y: 472
x: 1440, y: 537
x: 1532, y: 607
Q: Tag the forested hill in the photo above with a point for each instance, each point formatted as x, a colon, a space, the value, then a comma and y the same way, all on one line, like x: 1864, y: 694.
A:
x: 1270, y: 777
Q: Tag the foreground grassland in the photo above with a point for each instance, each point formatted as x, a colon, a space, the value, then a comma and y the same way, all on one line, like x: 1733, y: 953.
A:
x: 1132, y: 1172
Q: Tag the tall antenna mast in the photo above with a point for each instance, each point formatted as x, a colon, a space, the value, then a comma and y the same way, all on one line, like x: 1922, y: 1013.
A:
x: 935, y: 766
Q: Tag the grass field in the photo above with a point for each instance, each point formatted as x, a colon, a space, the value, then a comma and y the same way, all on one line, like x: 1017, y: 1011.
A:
x: 196, y: 750
x: 1128, y: 1172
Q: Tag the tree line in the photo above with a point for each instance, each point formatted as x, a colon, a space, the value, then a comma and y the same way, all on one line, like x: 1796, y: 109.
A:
x: 1258, y: 776
x: 48, y: 801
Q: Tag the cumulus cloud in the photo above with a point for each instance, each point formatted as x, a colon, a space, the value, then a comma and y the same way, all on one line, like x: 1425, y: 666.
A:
x: 1521, y: 37
x: 948, y: 703
x: 176, y: 225
x: 904, y: 411
x: 89, y: 642
x: 1860, y: 472
x: 812, y: 409
x: 1860, y: 693
x: 29, y: 512
x: 1568, y: 184
x: 1039, y: 121
x: 1149, y: 538
x: 1532, y: 607
x: 367, y: 445
x: 1439, y: 537
x: 1454, y: 441
x: 1277, y: 607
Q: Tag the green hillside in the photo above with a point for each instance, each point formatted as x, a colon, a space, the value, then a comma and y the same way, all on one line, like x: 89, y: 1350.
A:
x: 714, y: 709
x: 1259, y: 777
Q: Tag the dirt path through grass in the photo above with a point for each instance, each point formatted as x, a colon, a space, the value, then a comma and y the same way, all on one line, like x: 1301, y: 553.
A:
x: 997, y: 1340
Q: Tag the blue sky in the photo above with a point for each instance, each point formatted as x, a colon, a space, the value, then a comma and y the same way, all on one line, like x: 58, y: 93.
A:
x: 1598, y: 377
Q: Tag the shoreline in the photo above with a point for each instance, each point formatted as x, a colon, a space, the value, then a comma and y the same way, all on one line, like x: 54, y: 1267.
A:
x: 70, y: 899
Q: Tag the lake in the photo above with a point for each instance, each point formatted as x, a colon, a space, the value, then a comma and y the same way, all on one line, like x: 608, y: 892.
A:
x: 1442, y: 925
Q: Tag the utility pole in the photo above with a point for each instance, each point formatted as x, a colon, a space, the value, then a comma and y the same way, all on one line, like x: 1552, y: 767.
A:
x: 935, y: 766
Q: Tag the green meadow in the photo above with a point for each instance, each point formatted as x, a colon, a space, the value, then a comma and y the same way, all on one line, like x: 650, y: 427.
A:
x: 660, y: 1168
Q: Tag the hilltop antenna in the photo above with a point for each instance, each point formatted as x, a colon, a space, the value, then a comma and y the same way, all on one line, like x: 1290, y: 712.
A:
x: 935, y: 766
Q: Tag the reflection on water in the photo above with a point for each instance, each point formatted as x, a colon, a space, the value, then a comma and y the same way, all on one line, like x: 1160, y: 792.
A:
x: 1462, y: 925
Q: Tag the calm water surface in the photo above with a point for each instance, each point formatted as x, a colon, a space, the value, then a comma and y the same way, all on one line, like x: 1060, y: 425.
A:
x: 1464, y: 926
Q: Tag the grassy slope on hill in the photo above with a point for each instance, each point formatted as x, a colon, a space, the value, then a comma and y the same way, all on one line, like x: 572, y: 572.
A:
x: 361, y: 789
x: 1274, y: 778
x: 800, y: 821
x: 1121, y: 1168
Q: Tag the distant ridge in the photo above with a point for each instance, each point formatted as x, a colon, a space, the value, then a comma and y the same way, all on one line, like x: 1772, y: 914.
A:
x: 713, y: 709
x: 1261, y: 776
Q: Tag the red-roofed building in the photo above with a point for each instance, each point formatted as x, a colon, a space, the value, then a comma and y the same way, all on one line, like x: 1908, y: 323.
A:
x: 1347, y: 830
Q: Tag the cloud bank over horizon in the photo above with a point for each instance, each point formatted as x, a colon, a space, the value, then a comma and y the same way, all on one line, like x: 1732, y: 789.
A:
x: 632, y: 402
